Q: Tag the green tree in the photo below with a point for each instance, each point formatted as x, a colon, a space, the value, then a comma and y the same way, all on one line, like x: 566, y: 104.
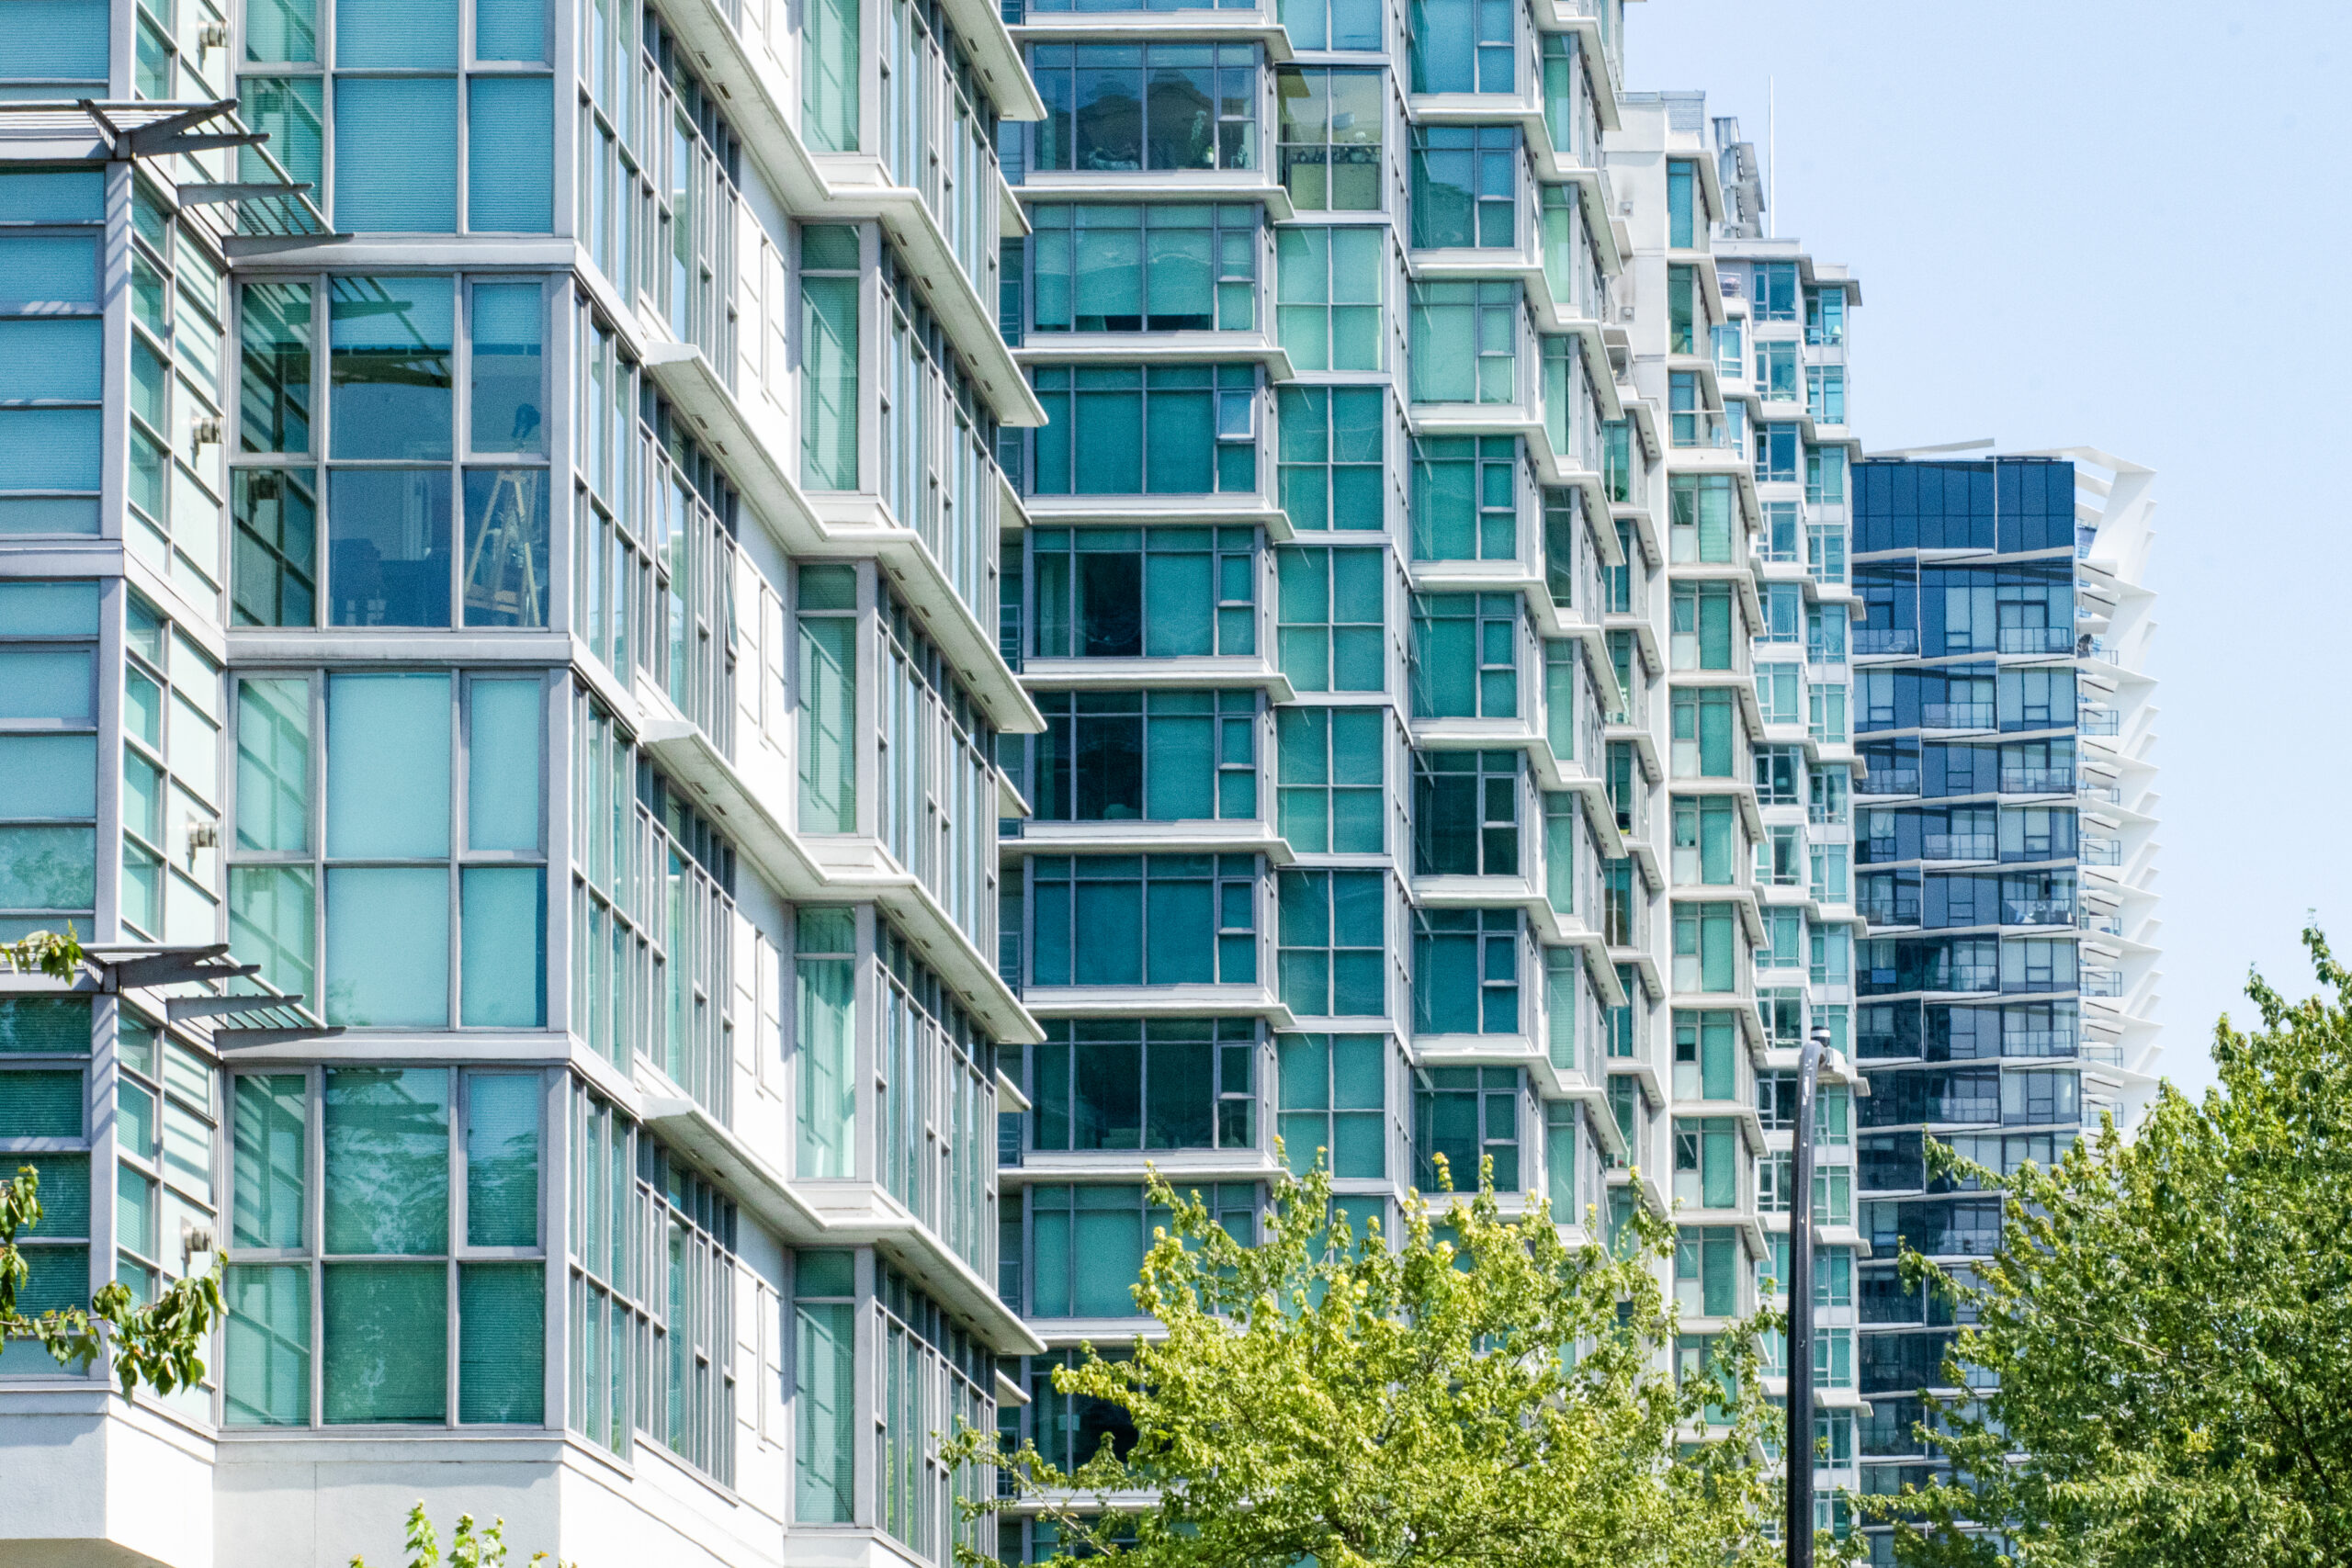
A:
x: 2170, y: 1320
x: 1483, y: 1395
x: 160, y: 1343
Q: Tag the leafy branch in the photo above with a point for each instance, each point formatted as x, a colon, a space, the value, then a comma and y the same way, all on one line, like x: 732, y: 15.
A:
x: 159, y: 1345
x: 468, y: 1547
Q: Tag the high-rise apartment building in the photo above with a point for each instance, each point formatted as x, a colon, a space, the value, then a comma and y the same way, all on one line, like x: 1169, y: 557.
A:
x: 1733, y: 757
x: 532, y: 593
x: 1184, y: 587
x: 2004, y: 840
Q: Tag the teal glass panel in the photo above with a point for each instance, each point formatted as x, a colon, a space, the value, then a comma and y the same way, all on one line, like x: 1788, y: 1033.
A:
x: 824, y: 1385
x: 44, y: 1024
x: 270, y: 1116
x: 268, y: 1375
x: 387, y: 1342
x: 388, y: 1160
x: 398, y: 34
x: 503, y: 739
x: 502, y: 1159
x: 273, y: 764
x: 510, y: 153
x: 388, y: 947
x: 388, y: 766
x: 396, y: 154
x: 502, y: 1342
x: 502, y: 978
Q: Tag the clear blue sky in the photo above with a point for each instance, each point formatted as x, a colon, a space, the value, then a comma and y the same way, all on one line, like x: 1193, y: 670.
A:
x: 2090, y: 223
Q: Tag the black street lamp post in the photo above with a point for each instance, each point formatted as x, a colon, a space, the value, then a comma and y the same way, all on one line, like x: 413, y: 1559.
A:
x: 1798, y: 1450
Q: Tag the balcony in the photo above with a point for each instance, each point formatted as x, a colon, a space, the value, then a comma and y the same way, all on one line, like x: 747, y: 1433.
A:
x: 2100, y: 849
x: 2036, y: 640
x: 1891, y: 781
x: 1701, y: 430
x: 1885, y: 639
x: 2098, y: 719
x: 2037, y: 781
x: 2090, y: 790
x: 1958, y: 846
x: 1956, y: 716
x: 2037, y: 911
x: 2100, y: 982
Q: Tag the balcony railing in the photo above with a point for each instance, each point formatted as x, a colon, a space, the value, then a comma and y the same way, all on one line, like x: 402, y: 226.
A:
x: 1958, y: 846
x: 2100, y: 849
x: 2036, y: 640
x: 2037, y: 781
x: 2100, y: 982
x: 2091, y: 790
x: 1701, y: 428
x: 1885, y: 639
x: 2037, y: 911
x: 2099, y: 924
x: 1956, y: 716
x: 2098, y: 719
x: 2037, y: 1043
x: 1891, y: 781
x: 1008, y: 959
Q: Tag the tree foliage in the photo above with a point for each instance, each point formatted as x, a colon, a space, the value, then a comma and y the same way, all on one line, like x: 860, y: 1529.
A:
x: 55, y: 954
x: 2170, y: 1320
x: 1483, y: 1395
x: 160, y: 1343
x: 468, y: 1547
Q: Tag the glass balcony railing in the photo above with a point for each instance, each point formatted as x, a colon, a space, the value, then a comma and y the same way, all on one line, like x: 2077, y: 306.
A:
x: 1885, y: 639
x: 2037, y: 781
x: 1701, y: 428
x: 1956, y: 716
x: 2036, y: 640
x: 2037, y: 911
x: 1891, y: 781
x: 2100, y: 850
x: 1957, y: 846
x: 2098, y: 719
x: 2100, y: 982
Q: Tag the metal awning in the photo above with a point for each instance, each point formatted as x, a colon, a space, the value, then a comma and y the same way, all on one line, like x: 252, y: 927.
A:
x: 89, y: 131
x: 205, y: 991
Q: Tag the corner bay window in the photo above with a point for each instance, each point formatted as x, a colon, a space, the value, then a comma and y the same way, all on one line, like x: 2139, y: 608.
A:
x: 417, y: 1249
x: 1466, y: 187
x: 1332, y: 440
x: 1124, y: 269
x: 1156, y: 756
x: 1331, y: 121
x: 1111, y: 107
x: 1465, y: 814
x: 1334, y: 936
x: 1464, y: 46
x: 1161, y: 1083
x: 1144, y: 920
x: 1145, y: 430
x: 1334, y: 1100
x: 437, y: 505
x: 1086, y: 1242
x: 1143, y: 593
x: 1465, y: 1115
x: 1465, y: 971
x: 1332, y: 635
x: 1465, y: 341
x: 1465, y: 649
x: 412, y: 851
